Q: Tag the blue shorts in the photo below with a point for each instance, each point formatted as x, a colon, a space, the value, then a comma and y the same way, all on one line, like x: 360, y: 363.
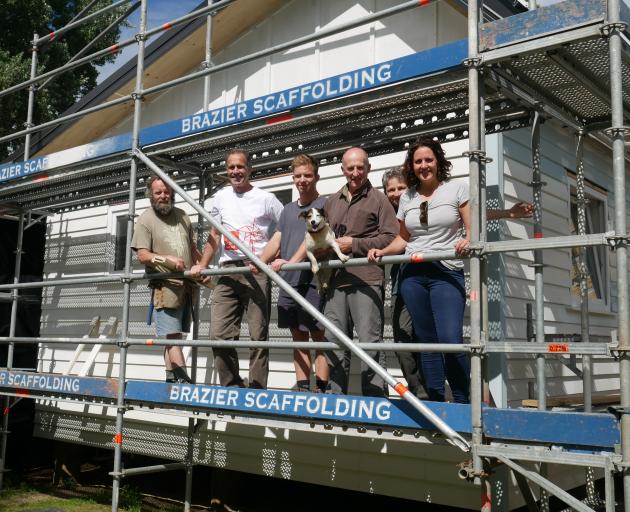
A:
x: 293, y: 316
x: 171, y: 321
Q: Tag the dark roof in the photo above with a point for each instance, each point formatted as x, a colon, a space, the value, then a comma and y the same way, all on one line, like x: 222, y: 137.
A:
x: 124, y: 74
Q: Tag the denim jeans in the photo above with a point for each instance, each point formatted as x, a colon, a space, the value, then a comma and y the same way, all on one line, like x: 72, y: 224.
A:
x: 435, y: 297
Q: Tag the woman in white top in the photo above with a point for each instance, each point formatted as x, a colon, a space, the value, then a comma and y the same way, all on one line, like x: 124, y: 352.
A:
x: 432, y: 213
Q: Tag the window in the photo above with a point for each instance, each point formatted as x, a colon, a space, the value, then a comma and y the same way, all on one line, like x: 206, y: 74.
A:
x: 120, y: 242
x: 596, y: 257
x: 284, y: 196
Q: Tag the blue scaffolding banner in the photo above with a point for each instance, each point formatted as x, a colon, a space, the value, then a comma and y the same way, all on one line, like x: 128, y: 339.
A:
x: 26, y: 383
x: 36, y: 167
x: 418, y: 64
x: 572, y: 430
x: 415, y: 65
x: 567, y: 429
x: 340, y: 408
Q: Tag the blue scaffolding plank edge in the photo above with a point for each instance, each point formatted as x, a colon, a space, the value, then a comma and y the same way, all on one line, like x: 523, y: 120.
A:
x: 569, y: 429
x: 426, y: 62
x: 539, y: 22
x: 27, y: 383
x: 559, y: 428
x: 380, y: 412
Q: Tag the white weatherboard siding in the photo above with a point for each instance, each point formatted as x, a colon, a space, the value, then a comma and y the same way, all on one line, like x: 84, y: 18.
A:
x: 562, y: 314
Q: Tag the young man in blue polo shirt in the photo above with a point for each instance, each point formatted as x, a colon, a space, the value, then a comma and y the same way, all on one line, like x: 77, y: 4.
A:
x: 287, y: 239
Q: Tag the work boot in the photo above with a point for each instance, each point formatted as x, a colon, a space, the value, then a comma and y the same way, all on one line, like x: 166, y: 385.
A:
x: 180, y: 375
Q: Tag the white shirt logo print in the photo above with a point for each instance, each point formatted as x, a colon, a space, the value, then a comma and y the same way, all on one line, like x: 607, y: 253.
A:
x: 176, y: 240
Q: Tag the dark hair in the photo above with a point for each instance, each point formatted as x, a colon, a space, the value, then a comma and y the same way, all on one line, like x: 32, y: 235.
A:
x: 443, y: 165
x: 304, y: 159
x: 240, y: 151
x: 393, y: 173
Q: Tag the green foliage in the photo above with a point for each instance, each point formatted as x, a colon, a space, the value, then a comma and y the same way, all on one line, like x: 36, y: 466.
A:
x: 23, y: 18
x: 130, y: 498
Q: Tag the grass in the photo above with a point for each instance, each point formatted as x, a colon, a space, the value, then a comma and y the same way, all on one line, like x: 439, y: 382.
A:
x: 71, y: 499
x: 15, y: 500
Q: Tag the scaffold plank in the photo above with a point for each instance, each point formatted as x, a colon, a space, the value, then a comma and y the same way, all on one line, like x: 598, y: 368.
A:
x: 542, y: 21
x: 324, y: 407
x: 571, y: 429
x: 558, y: 428
x: 49, y: 384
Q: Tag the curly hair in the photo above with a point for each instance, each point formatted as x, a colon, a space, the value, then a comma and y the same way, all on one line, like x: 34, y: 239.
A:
x: 443, y: 165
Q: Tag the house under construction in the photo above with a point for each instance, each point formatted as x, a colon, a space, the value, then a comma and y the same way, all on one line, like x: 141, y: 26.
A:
x: 531, y: 104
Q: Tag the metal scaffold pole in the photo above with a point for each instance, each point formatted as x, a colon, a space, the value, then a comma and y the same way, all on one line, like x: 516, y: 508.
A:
x: 207, y: 63
x: 617, y: 132
x: 124, y: 331
x: 486, y: 483
x: 539, y: 301
x: 192, y: 422
x: 18, y: 265
x: 587, y: 378
x: 12, y: 325
x: 475, y: 156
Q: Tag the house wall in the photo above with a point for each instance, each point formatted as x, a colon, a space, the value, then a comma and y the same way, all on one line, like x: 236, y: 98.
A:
x: 562, y: 309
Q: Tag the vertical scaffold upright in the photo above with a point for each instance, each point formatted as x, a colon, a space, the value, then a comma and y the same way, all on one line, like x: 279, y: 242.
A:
x: 483, y: 452
x: 124, y: 329
x: 613, y: 29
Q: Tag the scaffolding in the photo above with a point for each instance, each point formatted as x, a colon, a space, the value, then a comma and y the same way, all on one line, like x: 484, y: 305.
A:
x: 475, y: 88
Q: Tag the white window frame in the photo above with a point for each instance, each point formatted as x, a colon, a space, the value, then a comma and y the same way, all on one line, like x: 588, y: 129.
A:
x: 114, y: 212
x: 594, y: 193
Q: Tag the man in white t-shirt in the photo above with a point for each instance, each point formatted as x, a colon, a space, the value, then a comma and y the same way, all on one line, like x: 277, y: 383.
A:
x: 251, y: 214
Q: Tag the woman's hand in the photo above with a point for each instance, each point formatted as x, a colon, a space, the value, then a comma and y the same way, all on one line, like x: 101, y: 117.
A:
x: 462, y: 247
x: 374, y: 254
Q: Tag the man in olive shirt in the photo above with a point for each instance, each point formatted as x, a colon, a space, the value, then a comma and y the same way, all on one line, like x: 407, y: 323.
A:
x: 163, y: 240
x: 362, y: 218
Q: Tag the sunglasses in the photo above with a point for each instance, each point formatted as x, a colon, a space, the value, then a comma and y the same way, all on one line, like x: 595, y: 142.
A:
x: 424, y: 214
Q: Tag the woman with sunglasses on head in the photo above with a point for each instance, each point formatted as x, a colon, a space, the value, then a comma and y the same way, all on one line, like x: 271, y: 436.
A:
x: 434, y: 215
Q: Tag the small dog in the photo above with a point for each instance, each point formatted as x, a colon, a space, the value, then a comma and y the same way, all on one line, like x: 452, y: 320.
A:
x: 319, y: 236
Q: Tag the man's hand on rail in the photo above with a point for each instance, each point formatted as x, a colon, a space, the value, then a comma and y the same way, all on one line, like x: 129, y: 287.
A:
x: 374, y: 254
x: 195, y: 270
x: 277, y: 263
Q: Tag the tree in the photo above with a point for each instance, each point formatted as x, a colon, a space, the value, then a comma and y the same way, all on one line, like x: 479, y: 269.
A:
x: 23, y: 18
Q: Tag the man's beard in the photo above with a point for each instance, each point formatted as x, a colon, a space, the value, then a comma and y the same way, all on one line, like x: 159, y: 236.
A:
x: 161, y: 208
